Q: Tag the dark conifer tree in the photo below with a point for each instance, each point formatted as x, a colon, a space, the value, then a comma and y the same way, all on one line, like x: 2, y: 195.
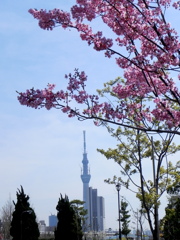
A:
x: 125, y: 219
x: 171, y: 230
x: 170, y: 224
x: 69, y: 223
x: 23, y: 225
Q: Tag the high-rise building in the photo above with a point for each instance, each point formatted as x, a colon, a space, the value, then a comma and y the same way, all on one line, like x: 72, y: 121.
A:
x: 94, y: 204
x: 101, y: 214
x: 42, y: 227
x: 52, y: 220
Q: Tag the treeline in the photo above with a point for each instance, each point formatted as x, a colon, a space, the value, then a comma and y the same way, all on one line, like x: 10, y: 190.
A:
x: 19, y: 222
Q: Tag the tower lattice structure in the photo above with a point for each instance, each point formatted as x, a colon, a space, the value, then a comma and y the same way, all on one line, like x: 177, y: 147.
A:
x: 85, y: 177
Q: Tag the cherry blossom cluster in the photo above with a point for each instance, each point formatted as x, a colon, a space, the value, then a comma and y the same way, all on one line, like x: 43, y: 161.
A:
x: 48, y: 19
x: 152, y: 57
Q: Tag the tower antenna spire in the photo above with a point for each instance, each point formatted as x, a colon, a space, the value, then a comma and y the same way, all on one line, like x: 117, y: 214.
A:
x: 84, y: 132
x: 85, y: 177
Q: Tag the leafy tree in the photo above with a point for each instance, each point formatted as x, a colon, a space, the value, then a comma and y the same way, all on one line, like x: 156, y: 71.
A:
x: 80, y: 211
x: 23, y: 225
x: 171, y: 221
x: 6, y: 218
x: 125, y: 219
x: 69, y: 222
x: 134, y: 154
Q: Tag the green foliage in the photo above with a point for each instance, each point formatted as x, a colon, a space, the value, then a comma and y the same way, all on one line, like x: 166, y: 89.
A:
x: 135, y: 153
x: 171, y: 221
x: 125, y: 219
x: 79, y: 210
x: 23, y: 225
x: 69, y: 222
x: 175, y: 187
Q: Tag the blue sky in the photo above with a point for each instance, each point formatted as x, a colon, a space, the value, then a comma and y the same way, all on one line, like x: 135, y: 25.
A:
x: 39, y: 149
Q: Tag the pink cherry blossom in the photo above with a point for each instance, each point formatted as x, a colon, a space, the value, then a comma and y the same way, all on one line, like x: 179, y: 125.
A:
x: 147, y: 98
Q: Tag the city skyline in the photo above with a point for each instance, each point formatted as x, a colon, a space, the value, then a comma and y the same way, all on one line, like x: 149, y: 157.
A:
x: 94, y: 204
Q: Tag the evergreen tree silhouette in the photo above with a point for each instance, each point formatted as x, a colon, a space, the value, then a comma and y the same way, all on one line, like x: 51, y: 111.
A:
x: 69, y: 223
x: 23, y: 225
